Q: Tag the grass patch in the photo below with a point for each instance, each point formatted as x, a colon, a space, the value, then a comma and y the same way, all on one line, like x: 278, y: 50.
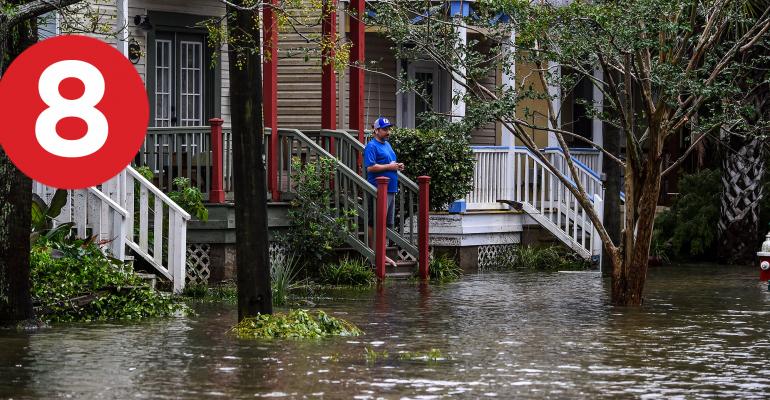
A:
x: 296, y: 324
x: 225, y: 292
x: 431, y: 356
x: 542, y: 258
x: 372, y: 355
x: 347, y: 272
x: 283, y: 274
x: 443, y: 269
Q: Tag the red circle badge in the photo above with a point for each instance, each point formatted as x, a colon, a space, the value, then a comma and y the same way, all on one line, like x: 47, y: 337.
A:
x: 75, y: 112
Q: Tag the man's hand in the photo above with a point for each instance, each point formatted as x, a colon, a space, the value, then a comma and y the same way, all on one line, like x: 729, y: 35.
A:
x: 396, y: 166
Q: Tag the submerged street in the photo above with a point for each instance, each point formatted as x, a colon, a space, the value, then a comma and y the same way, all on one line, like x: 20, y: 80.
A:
x: 702, y: 331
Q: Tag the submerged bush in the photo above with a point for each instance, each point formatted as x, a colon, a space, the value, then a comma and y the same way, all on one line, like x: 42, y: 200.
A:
x: 351, y: 272
x: 296, y: 324
x: 75, y: 281
x: 443, y: 269
x: 542, y: 258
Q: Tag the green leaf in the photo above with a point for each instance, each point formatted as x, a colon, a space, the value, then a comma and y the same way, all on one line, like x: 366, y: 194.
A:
x: 58, y: 201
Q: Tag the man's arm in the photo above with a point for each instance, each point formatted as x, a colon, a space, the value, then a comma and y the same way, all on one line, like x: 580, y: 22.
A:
x: 393, y: 166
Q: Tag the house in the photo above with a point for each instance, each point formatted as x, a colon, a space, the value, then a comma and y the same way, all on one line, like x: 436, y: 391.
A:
x: 188, y: 135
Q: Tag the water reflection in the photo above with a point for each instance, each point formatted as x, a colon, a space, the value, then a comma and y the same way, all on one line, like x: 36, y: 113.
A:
x: 703, y: 332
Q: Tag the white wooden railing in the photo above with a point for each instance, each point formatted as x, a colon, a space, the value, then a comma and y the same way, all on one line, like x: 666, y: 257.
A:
x: 550, y: 203
x: 507, y: 173
x: 128, y: 210
x: 491, y: 178
x: 92, y: 213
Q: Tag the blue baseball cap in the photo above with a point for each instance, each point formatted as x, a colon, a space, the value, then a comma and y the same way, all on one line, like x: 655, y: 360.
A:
x: 382, y: 122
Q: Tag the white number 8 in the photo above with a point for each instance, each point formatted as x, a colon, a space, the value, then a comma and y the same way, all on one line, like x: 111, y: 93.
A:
x: 60, y: 107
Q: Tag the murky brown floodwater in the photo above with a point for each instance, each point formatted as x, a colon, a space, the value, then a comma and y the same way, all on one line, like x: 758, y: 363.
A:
x: 704, y: 332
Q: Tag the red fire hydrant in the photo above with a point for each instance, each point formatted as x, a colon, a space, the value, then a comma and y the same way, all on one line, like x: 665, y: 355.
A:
x: 764, y: 261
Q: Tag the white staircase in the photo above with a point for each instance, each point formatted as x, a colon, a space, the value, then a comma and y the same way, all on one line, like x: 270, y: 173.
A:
x: 128, y: 211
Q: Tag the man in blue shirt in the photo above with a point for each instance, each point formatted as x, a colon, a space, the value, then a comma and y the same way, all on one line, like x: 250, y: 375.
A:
x: 380, y: 160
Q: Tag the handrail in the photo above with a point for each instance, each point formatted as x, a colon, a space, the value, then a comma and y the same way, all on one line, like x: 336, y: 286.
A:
x: 157, y: 192
x: 103, y: 197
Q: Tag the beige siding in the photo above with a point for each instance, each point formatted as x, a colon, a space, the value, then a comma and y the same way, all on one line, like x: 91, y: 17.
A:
x: 487, y: 135
x: 379, y: 82
x: 299, y: 78
x: 534, y: 111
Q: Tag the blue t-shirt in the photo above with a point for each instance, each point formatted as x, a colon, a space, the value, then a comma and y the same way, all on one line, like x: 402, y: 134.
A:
x: 380, y: 153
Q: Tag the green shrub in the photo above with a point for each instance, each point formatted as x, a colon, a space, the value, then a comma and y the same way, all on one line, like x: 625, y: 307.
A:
x: 446, y: 157
x: 443, y: 269
x: 223, y: 292
x: 297, y: 324
x: 351, y: 272
x: 313, y: 233
x: 189, y: 198
x: 75, y: 281
x: 283, y: 273
x: 689, y: 229
x: 543, y: 258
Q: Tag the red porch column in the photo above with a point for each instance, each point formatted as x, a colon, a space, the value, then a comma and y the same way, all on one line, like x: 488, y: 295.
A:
x: 216, y: 195
x: 423, y: 224
x: 357, y: 38
x: 270, y: 95
x: 328, y: 80
x: 380, y: 227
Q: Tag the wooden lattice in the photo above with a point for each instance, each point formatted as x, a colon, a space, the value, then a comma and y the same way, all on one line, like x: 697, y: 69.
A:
x: 198, y: 263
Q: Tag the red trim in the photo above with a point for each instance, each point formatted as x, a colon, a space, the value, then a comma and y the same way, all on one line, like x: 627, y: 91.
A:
x: 270, y: 95
x: 380, y: 226
x: 423, y: 225
x: 328, y: 79
x: 216, y: 195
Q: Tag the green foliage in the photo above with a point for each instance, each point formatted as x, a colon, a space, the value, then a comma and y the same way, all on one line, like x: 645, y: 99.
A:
x: 689, y: 229
x: 283, y: 274
x: 443, y: 269
x: 430, y: 356
x: 145, y: 172
x: 202, y: 293
x: 313, y: 231
x: 372, y: 355
x: 542, y: 258
x: 296, y: 324
x: 349, y: 272
x: 189, y: 198
x: 75, y: 281
x: 444, y: 156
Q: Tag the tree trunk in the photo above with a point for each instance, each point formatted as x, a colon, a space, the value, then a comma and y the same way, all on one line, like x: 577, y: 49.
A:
x: 252, y: 257
x: 630, y: 270
x: 15, y: 204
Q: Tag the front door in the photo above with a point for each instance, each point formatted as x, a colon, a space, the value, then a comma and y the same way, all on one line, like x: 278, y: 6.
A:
x: 180, y: 79
x: 428, y: 79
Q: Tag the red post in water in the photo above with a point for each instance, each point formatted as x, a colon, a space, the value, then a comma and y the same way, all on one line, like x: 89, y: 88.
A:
x: 217, y: 195
x: 328, y: 79
x: 423, y: 234
x: 380, y: 228
x: 270, y: 95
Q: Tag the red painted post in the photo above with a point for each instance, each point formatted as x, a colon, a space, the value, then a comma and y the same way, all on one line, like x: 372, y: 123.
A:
x: 270, y: 95
x: 423, y: 234
x: 380, y: 228
x: 216, y: 195
x: 328, y: 79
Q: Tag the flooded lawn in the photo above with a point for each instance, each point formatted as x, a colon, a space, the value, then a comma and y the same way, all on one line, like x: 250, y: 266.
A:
x: 704, y: 331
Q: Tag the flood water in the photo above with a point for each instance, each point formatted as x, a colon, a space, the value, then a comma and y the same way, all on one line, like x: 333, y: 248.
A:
x: 703, y: 332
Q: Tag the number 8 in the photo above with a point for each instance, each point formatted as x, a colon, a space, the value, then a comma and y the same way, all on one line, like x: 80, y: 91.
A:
x: 60, y: 107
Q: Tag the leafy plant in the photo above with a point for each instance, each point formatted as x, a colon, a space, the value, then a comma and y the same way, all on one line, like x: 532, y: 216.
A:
x: 189, y: 198
x: 224, y: 292
x: 689, y: 227
x: 74, y: 281
x: 542, y: 258
x: 43, y: 214
x: 313, y: 231
x: 352, y: 272
x: 430, y: 356
x: 443, y: 269
x: 444, y: 156
x: 283, y: 274
x: 296, y: 324
x: 371, y: 355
